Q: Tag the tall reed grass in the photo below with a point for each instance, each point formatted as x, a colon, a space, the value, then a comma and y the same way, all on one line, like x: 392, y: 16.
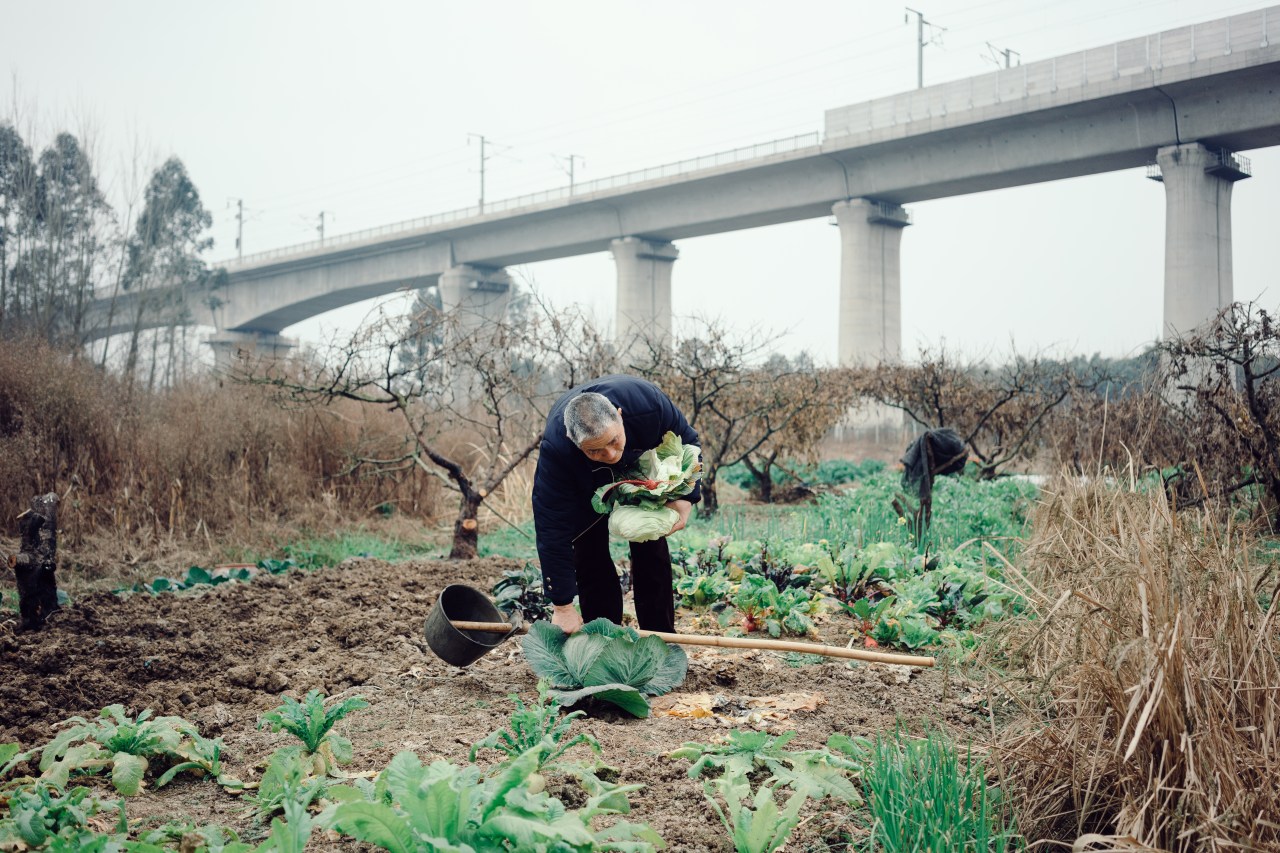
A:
x: 1152, y: 701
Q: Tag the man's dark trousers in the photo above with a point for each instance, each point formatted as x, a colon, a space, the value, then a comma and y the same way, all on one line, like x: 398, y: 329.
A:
x: 600, y: 593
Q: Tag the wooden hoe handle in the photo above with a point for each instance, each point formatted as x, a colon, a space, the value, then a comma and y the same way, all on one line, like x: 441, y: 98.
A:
x: 735, y: 643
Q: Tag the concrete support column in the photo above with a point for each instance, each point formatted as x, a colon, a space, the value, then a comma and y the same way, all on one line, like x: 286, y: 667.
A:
x: 1197, y: 234
x: 475, y: 296
x: 870, y: 280
x: 244, y: 352
x: 644, y: 288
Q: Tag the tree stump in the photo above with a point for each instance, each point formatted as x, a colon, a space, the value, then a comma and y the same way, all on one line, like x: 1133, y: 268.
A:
x: 35, y: 562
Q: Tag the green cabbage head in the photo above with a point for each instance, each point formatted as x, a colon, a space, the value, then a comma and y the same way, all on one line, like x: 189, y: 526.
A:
x: 642, y: 524
x: 604, y: 661
x: 637, y: 504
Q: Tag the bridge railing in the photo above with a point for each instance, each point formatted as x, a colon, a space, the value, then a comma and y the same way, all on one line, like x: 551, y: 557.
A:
x: 1181, y: 46
x: 638, y: 176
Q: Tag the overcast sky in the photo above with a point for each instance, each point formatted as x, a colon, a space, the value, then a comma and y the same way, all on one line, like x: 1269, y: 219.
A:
x: 364, y: 110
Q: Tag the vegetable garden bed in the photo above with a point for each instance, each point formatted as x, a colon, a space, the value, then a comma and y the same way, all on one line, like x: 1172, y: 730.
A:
x: 221, y: 657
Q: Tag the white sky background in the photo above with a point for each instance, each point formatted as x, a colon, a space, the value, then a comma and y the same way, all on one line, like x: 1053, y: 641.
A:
x: 363, y: 110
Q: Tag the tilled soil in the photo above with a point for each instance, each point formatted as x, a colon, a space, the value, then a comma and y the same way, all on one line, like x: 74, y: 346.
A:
x: 222, y: 656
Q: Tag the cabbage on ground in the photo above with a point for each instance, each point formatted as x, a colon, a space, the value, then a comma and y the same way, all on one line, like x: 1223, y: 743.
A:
x: 604, y: 661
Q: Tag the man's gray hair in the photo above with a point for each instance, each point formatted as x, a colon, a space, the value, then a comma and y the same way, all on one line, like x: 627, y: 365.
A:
x: 589, y: 415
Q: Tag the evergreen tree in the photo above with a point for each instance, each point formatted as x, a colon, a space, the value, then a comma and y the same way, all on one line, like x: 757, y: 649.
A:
x: 56, y: 217
x: 163, y: 264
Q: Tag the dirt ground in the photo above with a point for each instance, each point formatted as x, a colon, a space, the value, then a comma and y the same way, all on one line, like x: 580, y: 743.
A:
x: 222, y: 656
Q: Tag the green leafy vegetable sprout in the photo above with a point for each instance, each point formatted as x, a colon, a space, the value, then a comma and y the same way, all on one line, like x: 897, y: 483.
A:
x: 520, y: 591
x: 186, y: 835
x: 41, y: 816
x: 531, y: 724
x: 849, y: 574
x: 290, y: 777
x: 701, y: 591
x: 755, y: 598
x: 754, y: 820
x: 114, y: 740
x: 201, y: 755
x: 447, y: 808
x: 606, y: 662
x: 11, y: 755
x: 768, y: 563
x: 814, y: 772
x: 755, y: 823
x: 310, y: 722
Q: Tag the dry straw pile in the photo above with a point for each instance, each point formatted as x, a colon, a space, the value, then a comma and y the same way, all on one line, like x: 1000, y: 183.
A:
x: 1152, y: 703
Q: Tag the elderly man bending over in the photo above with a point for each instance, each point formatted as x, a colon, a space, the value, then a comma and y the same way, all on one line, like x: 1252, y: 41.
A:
x: 594, y: 435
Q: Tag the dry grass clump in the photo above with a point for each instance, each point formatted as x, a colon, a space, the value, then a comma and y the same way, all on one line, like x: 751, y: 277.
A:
x: 155, y: 470
x: 1153, y: 712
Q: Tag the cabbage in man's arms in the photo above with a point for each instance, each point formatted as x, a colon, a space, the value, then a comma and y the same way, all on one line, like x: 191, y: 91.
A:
x: 637, y: 505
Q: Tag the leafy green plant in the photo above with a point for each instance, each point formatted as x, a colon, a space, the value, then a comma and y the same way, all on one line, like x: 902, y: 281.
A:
x: 970, y: 595
x: 116, y: 741
x: 202, y: 839
x: 792, y: 613
x: 755, y: 598
x: 291, y: 834
x: 310, y: 722
x: 606, y: 662
x: 907, y: 618
x: 290, y: 777
x: 922, y: 796
x: 201, y: 755
x: 520, y: 591
x: 530, y: 724
x: 755, y: 823
x: 853, y: 571
x: 698, y: 590
x: 278, y: 567
x: 447, y: 808
x: 815, y: 772
x: 195, y: 576
x: 11, y: 755
x: 44, y: 817
x: 771, y: 562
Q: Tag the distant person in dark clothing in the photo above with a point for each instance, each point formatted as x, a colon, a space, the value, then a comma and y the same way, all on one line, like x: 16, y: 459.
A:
x: 594, y: 435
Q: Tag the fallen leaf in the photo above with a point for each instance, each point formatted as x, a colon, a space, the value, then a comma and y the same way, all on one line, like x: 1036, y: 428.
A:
x: 691, y: 705
x: 788, y: 702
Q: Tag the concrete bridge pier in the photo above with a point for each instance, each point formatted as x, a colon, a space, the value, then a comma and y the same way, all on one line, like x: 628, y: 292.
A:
x: 870, y: 280
x: 244, y: 351
x: 475, y: 295
x: 870, y: 297
x: 1197, y: 233
x: 644, y: 289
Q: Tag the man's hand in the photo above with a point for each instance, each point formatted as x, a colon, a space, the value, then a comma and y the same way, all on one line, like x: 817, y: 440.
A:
x: 684, y: 508
x: 566, y: 617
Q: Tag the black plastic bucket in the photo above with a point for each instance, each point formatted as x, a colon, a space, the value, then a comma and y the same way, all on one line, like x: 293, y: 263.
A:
x: 462, y: 648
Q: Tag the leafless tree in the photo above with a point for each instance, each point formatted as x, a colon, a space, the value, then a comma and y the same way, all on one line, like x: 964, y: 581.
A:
x: 999, y: 412
x: 473, y: 396
x: 1224, y: 378
x: 743, y: 403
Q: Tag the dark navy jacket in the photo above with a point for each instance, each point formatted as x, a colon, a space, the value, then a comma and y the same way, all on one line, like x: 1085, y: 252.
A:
x: 566, y: 478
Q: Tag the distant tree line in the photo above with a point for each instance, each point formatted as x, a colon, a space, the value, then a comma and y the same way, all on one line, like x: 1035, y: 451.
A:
x: 63, y: 246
